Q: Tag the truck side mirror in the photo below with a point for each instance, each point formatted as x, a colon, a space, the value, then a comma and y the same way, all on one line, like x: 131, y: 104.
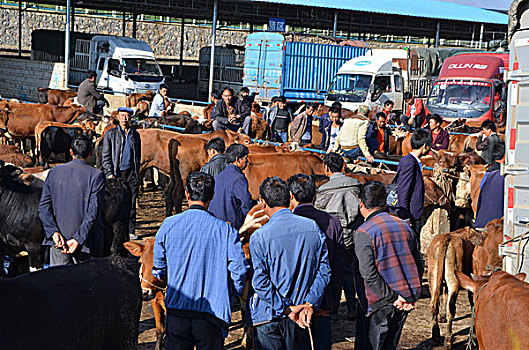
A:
x: 371, y: 88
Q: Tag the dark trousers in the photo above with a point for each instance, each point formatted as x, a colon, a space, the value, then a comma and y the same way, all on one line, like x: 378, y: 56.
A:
x: 130, y: 177
x: 417, y: 122
x: 348, y: 282
x: 277, y: 335
x: 58, y: 258
x: 321, y: 334
x: 384, y: 329
x: 362, y: 329
x: 187, y: 333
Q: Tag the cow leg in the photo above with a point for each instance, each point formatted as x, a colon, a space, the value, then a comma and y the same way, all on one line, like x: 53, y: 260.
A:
x: 453, y: 291
x: 435, y: 290
x: 159, y: 319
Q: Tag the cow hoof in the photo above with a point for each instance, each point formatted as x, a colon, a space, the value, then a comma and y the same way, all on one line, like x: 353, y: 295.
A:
x: 442, y: 319
x: 159, y: 343
x: 448, y: 343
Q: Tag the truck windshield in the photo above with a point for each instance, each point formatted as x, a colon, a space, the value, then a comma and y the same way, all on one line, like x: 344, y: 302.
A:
x: 141, y: 66
x: 460, y: 99
x: 349, y: 87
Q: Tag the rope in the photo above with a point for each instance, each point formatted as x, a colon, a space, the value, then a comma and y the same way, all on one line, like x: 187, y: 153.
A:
x: 311, y: 339
x: 443, y: 181
x: 472, y: 339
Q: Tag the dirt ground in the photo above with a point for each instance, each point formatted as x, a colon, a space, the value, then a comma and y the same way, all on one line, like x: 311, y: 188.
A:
x: 416, y: 333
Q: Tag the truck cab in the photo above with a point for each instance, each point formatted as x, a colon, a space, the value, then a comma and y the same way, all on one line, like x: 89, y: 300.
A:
x: 470, y: 86
x: 369, y: 80
x: 124, y: 65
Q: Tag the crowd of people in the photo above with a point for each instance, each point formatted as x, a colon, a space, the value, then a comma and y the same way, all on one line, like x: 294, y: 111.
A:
x: 317, y: 241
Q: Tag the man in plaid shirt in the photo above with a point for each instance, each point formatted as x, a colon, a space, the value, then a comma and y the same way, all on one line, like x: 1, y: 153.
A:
x: 387, y: 274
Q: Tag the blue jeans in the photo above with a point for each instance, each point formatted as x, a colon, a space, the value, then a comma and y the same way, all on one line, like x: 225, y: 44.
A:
x: 352, y: 153
x: 276, y: 335
x: 321, y: 333
x: 281, y: 136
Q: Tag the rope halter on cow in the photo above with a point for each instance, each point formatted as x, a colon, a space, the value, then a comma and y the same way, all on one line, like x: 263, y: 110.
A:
x: 162, y: 289
x: 472, y: 339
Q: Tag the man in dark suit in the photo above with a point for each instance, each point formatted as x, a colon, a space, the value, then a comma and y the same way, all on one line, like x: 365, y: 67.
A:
x: 121, y: 159
x: 410, y: 181
x: 70, y: 207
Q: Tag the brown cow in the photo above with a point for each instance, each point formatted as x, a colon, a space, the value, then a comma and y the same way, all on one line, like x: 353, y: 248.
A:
x: 501, y: 309
x: 485, y: 258
x: 133, y: 99
x: 21, y: 118
x: 208, y: 111
x: 13, y: 155
x: 59, y: 97
x: 153, y: 289
x: 447, y: 253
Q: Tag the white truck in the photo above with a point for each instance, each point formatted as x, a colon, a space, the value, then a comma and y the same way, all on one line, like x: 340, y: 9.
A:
x: 515, y: 248
x: 370, y: 80
x: 123, y: 65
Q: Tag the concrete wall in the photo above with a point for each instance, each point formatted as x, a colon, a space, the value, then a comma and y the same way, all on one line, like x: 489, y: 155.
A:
x: 20, y: 78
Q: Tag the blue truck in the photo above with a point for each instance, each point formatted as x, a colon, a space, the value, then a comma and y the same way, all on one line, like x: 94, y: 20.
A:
x: 300, y: 71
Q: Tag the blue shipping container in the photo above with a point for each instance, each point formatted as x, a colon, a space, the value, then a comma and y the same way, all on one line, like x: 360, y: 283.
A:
x: 300, y: 71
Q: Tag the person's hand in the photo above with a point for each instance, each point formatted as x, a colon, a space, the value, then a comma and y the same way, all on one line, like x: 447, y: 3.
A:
x: 305, y: 316
x: 58, y: 239
x: 370, y: 159
x: 111, y: 176
x: 403, y: 305
x: 72, y: 245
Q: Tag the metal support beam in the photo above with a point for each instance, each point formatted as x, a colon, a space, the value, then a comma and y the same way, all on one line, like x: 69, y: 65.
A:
x: 134, y: 24
x: 124, y: 25
x: 67, y: 44
x: 19, y: 28
x: 335, y: 24
x: 72, y: 24
x: 481, y: 35
x: 437, y: 34
x: 181, y: 68
x: 213, y: 40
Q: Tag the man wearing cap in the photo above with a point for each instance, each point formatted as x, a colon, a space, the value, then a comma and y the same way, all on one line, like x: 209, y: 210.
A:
x: 352, y: 136
x: 121, y: 158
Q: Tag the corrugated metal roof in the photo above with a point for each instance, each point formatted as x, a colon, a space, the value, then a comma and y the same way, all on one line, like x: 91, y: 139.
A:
x: 423, y: 8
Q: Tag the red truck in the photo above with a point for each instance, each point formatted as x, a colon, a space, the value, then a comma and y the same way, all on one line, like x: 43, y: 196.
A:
x: 470, y: 86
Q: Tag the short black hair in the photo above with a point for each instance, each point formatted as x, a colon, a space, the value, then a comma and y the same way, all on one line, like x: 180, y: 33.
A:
x: 311, y: 105
x: 229, y: 89
x: 91, y: 74
x: 164, y: 86
x: 389, y: 102
x: 236, y: 151
x: 274, y: 99
x: 334, y: 109
x: 274, y: 191
x: 334, y: 161
x: 488, y: 124
x: 200, y: 186
x: 282, y: 99
x: 407, y: 95
x: 381, y: 115
x: 302, y: 187
x: 215, y: 94
x: 373, y: 195
x: 419, y: 138
x: 216, y: 143
x: 81, y: 146
x: 244, y: 89
x: 337, y: 104
x: 437, y: 118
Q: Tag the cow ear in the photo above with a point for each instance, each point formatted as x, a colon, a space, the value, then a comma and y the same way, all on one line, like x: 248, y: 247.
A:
x: 477, y: 238
x: 134, y: 248
x: 465, y: 281
x: 521, y: 276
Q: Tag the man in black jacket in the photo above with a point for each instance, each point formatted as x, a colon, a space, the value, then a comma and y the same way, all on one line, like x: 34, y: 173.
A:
x: 231, y: 113
x: 121, y: 158
x: 492, y: 147
x: 217, y: 160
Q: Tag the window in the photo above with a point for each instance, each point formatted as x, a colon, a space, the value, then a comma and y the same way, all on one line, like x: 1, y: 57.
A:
x: 398, y: 83
x: 101, y: 64
x: 113, y: 67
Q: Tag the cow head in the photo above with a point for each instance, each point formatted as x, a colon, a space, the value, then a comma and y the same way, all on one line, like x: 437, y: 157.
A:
x: 4, y: 117
x: 471, y: 284
x: 150, y: 285
x: 255, y: 218
x: 462, y: 195
x: 445, y: 159
x: 434, y: 195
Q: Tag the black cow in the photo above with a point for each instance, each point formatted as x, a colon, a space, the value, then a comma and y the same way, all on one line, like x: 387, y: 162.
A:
x: 92, y: 305
x: 20, y: 226
x: 55, y: 144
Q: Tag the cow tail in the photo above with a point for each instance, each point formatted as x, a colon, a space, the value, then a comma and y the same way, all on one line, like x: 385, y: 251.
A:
x: 441, y: 256
x: 174, y: 191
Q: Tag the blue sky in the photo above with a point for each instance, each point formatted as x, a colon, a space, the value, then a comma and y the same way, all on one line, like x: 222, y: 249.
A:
x: 487, y: 4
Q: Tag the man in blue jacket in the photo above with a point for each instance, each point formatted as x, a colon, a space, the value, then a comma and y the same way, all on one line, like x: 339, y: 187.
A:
x: 410, y: 182
x: 232, y: 200
x: 70, y: 208
x: 291, y: 270
x: 201, y: 259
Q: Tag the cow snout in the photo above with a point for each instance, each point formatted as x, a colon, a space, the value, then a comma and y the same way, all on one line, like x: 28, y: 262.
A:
x: 147, y: 294
x: 461, y: 203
